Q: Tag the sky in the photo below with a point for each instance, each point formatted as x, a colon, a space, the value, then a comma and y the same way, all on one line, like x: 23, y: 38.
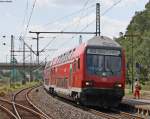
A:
x: 60, y: 15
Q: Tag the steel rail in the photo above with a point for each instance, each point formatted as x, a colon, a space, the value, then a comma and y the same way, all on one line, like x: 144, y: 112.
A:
x: 28, y: 109
x: 128, y: 115
x: 92, y: 111
x: 25, y: 108
x: 105, y: 115
x: 30, y: 102
x: 118, y: 115
x: 14, y: 106
x: 16, y: 111
x: 8, y: 112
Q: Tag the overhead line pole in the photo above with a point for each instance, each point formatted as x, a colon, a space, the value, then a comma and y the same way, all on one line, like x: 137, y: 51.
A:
x: 98, y: 30
x: 12, y: 61
x: 24, y: 77
x: 3, y: 1
x: 38, y: 33
x: 97, y: 33
x: 25, y: 51
x: 49, y: 32
x: 27, y: 45
x: 132, y: 64
x: 30, y: 65
x: 37, y: 48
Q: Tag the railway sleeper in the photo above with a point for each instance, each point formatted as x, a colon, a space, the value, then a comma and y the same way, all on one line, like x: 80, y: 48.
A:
x: 145, y: 113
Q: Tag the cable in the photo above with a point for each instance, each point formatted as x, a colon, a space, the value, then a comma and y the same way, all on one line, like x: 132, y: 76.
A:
x: 62, y: 30
x: 32, y: 10
x: 48, y: 43
x: 25, y: 14
x: 79, y: 21
x: 69, y: 15
x: 106, y: 11
x: 111, y: 7
x: 69, y: 25
x: 24, y: 18
x: 22, y: 38
x: 94, y: 20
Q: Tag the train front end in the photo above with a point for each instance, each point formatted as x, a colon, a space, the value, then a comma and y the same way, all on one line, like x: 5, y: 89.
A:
x: 104, y: 73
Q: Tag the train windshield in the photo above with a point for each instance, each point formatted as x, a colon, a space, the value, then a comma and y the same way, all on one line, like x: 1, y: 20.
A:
x: 104, y: 62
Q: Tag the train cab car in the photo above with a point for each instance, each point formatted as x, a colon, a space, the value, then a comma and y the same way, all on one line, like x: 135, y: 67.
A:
x: 92, y: 74
x: 104, y: 79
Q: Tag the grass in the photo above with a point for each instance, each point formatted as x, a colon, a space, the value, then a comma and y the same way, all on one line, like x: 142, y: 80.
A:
x: 5, y: 88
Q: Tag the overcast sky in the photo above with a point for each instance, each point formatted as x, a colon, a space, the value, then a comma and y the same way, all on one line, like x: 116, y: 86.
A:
x: 61, y: 15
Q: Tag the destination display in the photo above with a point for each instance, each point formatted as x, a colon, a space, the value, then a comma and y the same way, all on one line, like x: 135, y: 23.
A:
x: 103, y: 52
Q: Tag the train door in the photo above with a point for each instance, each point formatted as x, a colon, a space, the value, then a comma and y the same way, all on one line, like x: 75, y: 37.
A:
x: 70, y: 75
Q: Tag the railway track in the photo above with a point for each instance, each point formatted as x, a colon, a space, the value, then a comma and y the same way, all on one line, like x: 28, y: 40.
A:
x: 21, y: 107
x: 117, y: 114
x: 112, y: 114
x: 8, y: 112
x: 31, y: 111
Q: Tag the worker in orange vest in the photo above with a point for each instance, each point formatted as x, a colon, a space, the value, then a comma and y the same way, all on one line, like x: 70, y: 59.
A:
x: 137, y: 89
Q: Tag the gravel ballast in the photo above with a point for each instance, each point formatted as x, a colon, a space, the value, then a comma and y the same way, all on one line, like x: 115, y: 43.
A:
x: 58, y: 109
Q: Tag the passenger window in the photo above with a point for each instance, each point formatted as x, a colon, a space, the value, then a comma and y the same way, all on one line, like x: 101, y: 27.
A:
x: 74, y: 66
x: 79, y: 63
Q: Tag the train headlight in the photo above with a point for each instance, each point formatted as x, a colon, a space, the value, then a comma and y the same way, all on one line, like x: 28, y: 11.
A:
x: 88, y: 83
x: 119, y: 85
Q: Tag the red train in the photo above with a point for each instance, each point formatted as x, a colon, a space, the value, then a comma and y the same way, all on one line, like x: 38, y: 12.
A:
x: 92, y: 74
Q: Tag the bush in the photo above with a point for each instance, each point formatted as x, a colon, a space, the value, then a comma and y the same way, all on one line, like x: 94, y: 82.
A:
x: 2, y: 94
x: 18, y: 84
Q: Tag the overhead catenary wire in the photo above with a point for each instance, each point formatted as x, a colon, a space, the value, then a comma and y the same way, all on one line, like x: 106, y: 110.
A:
x: 110, y: 8
x: 24, y: 19
x: 27, y: 26
x: 54, y: 38
x: 21, y: 38
x: 48, y: 43
x: 25, y: 15
x: 85, y: 4
x: 69, y: 15
x: 31, y: 13
x: 69, y: 24
x: 72, y: 14
x: 106, y: 11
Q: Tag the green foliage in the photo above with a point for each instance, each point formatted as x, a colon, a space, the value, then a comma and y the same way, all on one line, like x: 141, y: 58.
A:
x: 6, y: 88
x: 139, y: 31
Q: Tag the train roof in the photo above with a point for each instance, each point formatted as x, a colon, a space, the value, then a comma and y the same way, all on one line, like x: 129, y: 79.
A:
x: 95, y: 41
x: 102, y: 41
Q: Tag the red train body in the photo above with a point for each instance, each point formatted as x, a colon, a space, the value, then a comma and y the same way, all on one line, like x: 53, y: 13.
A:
x: 92, y: 74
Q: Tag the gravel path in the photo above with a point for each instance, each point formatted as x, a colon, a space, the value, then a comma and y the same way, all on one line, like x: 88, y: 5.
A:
x: 3, y: 115
x: 58, y: 109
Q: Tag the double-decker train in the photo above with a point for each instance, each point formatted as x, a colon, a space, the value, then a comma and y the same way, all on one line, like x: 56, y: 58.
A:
x: 92, y: 74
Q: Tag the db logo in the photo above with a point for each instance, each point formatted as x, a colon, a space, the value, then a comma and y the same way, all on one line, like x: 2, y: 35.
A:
x: 104, y: 79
